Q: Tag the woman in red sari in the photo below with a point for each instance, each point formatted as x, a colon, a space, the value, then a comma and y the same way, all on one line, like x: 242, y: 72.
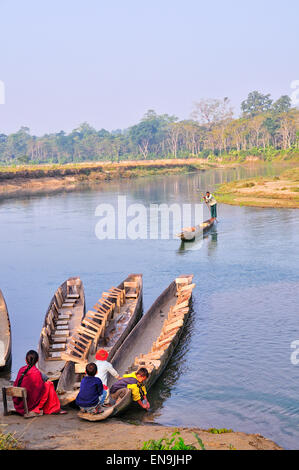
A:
x: 41, y: 396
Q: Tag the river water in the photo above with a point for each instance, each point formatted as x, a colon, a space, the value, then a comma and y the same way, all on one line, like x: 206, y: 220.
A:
x: 233, y: 366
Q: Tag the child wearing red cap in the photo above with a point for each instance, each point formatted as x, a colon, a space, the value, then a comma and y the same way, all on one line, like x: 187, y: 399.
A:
x: 104, y: 367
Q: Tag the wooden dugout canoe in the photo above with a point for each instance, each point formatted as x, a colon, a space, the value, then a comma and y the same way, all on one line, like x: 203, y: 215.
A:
x: 117, y: 327
x: 191, y: 233
x: 64, y: 315
x: 152, y: 342
x: 5, y: 335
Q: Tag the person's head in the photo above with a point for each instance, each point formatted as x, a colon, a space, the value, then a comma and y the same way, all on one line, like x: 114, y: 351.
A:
x: 208, y: 193
x: 31, y: 358
x: 91, y: 369
x: 102, y: 355
x: 142, y: 374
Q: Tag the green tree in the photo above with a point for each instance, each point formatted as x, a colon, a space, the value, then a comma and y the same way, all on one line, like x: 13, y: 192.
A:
x: 256, y: 103
x: 282, y: 105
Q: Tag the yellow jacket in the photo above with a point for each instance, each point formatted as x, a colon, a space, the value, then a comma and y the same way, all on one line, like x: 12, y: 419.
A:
x: 138, y: 390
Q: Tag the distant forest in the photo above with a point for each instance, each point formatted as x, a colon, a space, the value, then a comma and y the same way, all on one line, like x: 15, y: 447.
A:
x: 266, y: 129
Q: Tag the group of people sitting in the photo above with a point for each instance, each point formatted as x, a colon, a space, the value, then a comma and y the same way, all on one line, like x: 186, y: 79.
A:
x: 92, y: 397
x: 94, y: 394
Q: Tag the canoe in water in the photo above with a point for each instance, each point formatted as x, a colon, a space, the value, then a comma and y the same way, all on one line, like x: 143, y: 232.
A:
x: 189, y: 234
x: 5, y: 335
x: 152, y: 342
x: 64, y: 315
x: 112, y: 331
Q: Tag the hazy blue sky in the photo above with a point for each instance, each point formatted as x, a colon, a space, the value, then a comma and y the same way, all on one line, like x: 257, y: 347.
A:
x: 107, y: 62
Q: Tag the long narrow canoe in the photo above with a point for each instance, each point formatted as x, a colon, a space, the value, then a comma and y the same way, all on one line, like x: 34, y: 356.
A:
x: 64, y: 315
x: 117, y: 327
x: 189, y: 234
x: 152, y: 342
x: 5, y: 335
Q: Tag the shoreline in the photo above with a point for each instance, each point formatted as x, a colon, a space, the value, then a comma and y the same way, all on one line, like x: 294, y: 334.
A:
x: 50, y: 179
x: 275, y: 192
x: 67, y: 432
x: 39, y: 180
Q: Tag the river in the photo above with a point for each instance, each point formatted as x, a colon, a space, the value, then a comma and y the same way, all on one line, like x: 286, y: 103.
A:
x: 233, y: 366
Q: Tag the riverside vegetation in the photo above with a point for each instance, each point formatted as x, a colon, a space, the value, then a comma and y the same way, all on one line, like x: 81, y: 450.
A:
x: 37, y: 179
x: 266, y: 129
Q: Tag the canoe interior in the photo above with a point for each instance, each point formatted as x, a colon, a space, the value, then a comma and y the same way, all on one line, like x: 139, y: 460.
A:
x: 53, y: 365
x: 115, y: 333
x: 140, y: 341
x: 5, y: 335
x: 145, y: 332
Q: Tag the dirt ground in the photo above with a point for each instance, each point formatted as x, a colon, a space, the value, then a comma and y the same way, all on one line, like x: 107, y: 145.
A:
x: 68, y: 432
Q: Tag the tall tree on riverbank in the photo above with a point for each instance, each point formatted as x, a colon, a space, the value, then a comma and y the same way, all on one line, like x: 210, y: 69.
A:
x: 256, y: 103
x: 265, y: 128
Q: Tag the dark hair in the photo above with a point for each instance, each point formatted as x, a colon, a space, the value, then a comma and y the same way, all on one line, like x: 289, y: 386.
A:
x: 91, y: 369
x: 143, y: 372
x: 208, y: 192
x: 31, y: 359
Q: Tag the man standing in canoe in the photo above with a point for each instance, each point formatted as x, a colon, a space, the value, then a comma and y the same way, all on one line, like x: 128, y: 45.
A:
x: 212, y: 203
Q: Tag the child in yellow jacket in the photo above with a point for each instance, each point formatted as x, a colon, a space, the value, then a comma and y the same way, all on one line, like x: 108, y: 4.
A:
x: 134, y: 382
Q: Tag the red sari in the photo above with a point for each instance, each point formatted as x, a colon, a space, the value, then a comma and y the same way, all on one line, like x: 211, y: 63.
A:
x: 40, y: 395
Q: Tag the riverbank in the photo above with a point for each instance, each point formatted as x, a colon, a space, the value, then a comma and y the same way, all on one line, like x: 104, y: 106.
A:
x: 67, y: 432
x: 282, y: 191
x: 43, y: 179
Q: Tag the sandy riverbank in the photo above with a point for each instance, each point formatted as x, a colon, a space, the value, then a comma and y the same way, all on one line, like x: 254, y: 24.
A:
x: 45, y: 179
x: 68, y: 432
x: 282, y: 191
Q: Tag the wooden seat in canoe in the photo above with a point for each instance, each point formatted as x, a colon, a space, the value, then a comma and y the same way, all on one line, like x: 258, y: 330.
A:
x: 59, y: 339
x: 59, y: 333
x: 121, y: 291
x: 64, y: 316
x: 79, y: 346
x: 114, y: 295
x: 67, y: 305
x: 131, y: 289
x: 61, y: 323
x: 72, y: 296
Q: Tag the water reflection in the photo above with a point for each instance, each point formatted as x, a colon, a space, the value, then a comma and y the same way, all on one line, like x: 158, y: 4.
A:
x: 196, y: 245
x: 212, y: 244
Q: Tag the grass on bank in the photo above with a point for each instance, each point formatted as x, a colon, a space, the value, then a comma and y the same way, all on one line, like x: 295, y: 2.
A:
x: 174, y: 442
x: 9, y: 442
x: 101, y: 171
x: 277, y: 191
x: 219, y: 431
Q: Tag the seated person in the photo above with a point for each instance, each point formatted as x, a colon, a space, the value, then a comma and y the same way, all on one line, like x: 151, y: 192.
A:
x: 92, y: 394
x: 41, y: 396
x: 104, y: 367
x: 135, y: 383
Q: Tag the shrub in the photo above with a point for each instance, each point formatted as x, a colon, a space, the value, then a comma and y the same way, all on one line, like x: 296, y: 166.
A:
x: 9, y: 442
x: 249, y: 184
x: 172, y: 443
x: 219, y: 431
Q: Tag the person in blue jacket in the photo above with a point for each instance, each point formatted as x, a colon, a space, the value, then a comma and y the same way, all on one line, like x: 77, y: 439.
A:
x: 92, y: 394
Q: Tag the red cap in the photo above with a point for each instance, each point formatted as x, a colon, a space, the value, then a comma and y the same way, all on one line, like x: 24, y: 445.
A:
x: 102, y: 355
